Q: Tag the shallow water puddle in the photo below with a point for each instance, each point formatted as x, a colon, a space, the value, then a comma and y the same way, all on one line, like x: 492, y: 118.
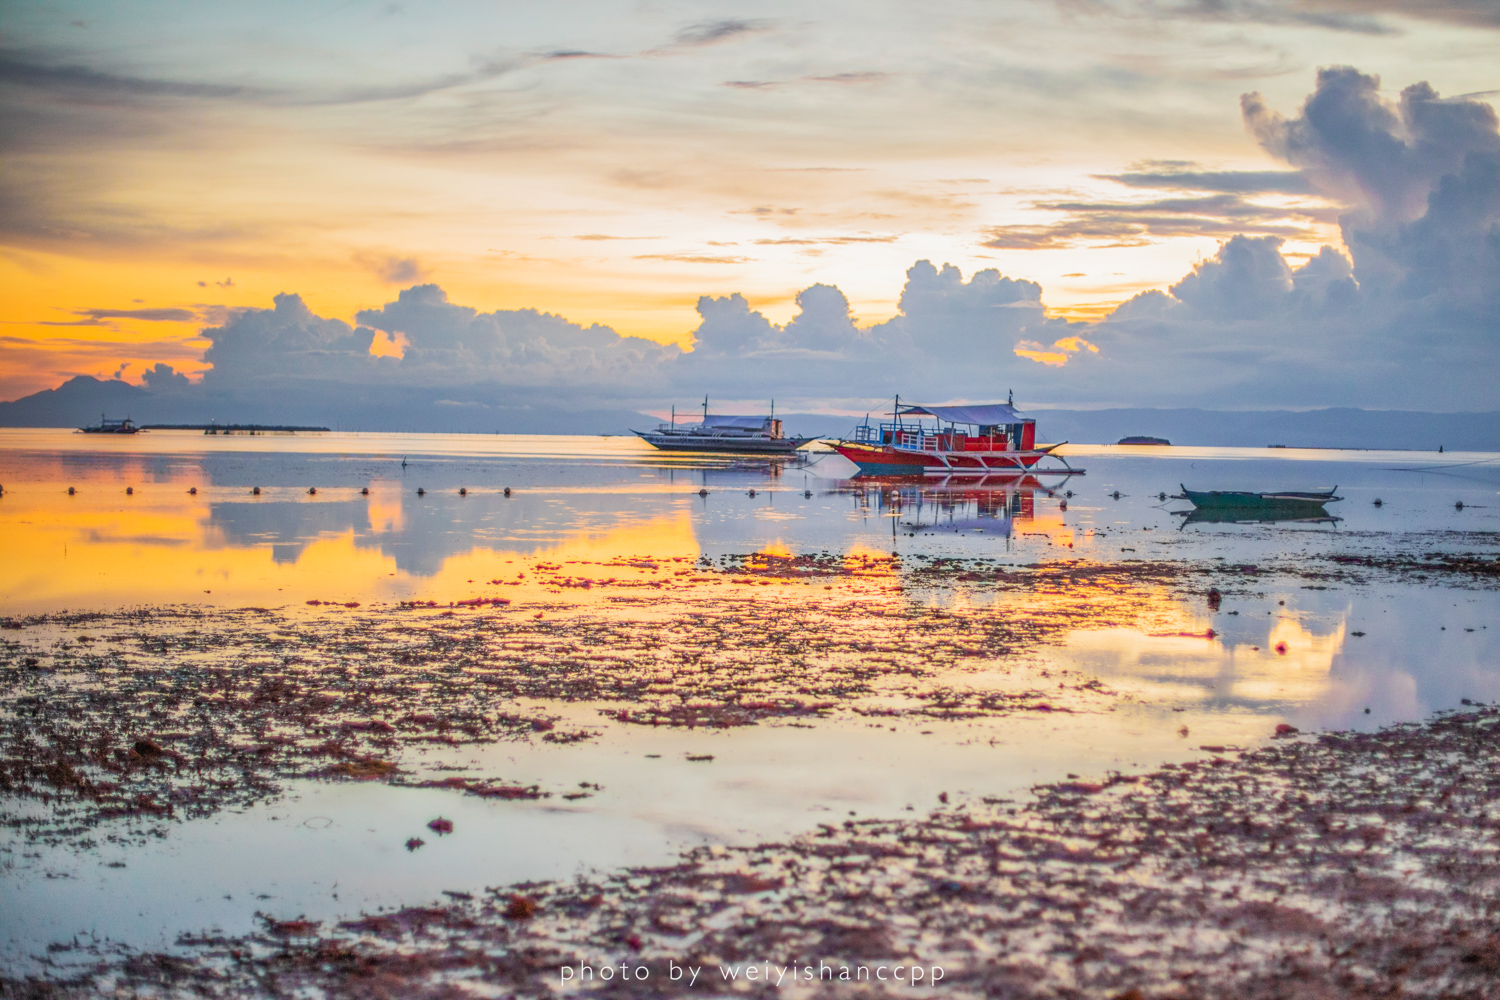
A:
x: 1020, y: 636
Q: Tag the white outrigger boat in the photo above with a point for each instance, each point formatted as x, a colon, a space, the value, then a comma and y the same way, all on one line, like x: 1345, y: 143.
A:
x: 740, y: 435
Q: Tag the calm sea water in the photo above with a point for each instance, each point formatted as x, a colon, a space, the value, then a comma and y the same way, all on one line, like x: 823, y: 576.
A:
x: 191, y: 530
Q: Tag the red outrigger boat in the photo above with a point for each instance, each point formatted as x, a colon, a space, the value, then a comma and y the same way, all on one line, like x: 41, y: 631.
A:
x: 978, y: 439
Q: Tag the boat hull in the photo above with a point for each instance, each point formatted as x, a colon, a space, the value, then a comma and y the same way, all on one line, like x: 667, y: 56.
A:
x: 722, y: 445
x: 888, y: 461
x: 1223, y: 500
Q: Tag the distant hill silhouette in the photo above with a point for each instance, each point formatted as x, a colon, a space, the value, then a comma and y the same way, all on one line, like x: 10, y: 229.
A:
x: 81, y: 400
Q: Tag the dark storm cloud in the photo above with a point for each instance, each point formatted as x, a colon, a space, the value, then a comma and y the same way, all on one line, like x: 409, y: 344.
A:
x: 1139, y: 223
x: 1227, y: 181
x: 1328, y: 15
x: 67, y: 76
x: 153, y: 315
x: 29, y: 69
x: 714, y: 32
x: 1473, y: 13
x: 392, y: 270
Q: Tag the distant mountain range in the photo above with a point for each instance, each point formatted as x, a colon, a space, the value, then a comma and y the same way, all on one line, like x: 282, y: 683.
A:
x: 82, y: 399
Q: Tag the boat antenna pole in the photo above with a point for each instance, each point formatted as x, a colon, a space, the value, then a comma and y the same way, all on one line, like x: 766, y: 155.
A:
x: 1010, y: 397
x: 705, y: 410
x: 674, y: 415
x: 896, y: 411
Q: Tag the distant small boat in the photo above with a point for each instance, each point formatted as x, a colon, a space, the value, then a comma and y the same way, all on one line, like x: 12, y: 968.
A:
x: 1294, y: 500
x: 1142, y: 439
x: 108, y: 426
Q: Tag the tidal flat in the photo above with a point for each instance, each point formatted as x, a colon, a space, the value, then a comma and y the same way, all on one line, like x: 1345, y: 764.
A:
x: 647, y: 716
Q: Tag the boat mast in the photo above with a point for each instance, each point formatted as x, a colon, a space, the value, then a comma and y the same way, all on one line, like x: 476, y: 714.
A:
x: 705, y: 411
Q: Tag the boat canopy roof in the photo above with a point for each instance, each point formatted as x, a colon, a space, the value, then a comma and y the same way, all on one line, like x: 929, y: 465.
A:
x: 981, y: 414
x: 746, y: 423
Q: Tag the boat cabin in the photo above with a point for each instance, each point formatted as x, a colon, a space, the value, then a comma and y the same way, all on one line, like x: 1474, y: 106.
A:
x: 988, y: 427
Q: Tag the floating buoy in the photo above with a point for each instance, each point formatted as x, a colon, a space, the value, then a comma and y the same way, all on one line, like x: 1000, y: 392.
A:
x: 421, y: 492
x: 312, y: 491
x: 192, y: 491
x: 130, y: 491
x: 703, y: 492
x: 1162, y: 495
x: 507, y: 491
x: 463, y: 491
x: 1063, y: 505
x: 365, y: 492
x: 1116, y: 494
x: 751, y: 493
x: 1457, y: 506
x: 1379, y: 502
x: 255, y: 492
x: 1069, y: 494
x: 70, y: 491
x: 807, y: 493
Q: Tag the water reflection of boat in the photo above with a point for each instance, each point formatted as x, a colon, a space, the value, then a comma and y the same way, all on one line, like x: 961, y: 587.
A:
x: 977, y: 440
x: 722, y: 433
x: 108, y: 426
x: 1253, y: 515
x: 991, y: 504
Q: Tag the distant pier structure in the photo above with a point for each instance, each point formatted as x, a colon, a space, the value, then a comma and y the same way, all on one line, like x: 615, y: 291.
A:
x: 234, y: 428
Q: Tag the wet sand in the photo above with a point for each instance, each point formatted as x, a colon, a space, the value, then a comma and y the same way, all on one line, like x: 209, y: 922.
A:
x: 1355, y: 864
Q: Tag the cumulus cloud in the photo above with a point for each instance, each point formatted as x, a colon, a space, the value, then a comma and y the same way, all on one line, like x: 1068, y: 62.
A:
x: 949, y: 336
x: 1421, y: 175
x: 1406, y: 314
x: 1410, y: 316
x: 163, y: 377
x: 448, y: 342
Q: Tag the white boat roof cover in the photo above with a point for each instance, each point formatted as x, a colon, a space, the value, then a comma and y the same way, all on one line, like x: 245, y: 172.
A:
x: 978, y: 413
x: 748, y: 423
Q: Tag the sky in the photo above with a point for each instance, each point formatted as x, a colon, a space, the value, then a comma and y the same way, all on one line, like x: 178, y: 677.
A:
x: 1231, y: 203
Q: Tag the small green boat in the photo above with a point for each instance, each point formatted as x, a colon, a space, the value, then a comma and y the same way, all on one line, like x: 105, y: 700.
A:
x: 1286, y: 500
